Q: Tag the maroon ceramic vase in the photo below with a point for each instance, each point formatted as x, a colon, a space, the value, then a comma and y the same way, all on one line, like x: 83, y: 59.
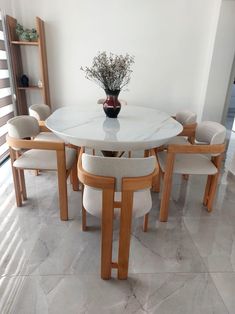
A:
x: 112, y: 106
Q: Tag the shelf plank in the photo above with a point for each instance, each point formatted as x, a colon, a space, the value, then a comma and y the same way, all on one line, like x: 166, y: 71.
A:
x: 26, y: 43
x: 29, y: 87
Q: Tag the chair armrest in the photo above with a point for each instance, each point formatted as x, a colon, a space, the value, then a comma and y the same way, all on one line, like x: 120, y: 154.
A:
x: 196, y: 149
x: 43, y: 127
x: 188, y: 130
x: 31, y: 144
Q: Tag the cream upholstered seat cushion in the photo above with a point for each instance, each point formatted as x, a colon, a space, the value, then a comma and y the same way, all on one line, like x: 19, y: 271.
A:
x: 189, y: 164
x: 92, y: 202
x: 43, y: 159
x: 47, y: 136
x: 179, y: 140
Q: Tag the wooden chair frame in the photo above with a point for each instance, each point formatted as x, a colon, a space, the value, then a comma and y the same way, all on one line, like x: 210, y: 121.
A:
x: 43, y: 127
x: 212, y: 180
x: 18, y: 173
x: 189, y: 130
x: 107, y: 185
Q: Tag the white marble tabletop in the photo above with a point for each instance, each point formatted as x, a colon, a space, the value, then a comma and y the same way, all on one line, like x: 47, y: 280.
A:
x: 136, y: 127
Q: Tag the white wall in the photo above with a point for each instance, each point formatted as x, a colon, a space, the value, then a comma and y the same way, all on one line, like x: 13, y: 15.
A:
x: 6, y: 6
x: 221, y: 64
x: 172, y: 42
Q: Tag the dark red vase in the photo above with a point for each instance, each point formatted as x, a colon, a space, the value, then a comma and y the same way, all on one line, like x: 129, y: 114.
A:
x: 112, y: 106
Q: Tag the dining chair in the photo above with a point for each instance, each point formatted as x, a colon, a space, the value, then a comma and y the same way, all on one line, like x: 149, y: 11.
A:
x: 116, y: 188
x: 202, y: 158
x: 28, y: 153
x: 188, y: 119
x: 40, y: 111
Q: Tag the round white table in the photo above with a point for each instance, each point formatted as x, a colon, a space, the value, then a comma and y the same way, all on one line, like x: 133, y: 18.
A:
x: 136, y: 128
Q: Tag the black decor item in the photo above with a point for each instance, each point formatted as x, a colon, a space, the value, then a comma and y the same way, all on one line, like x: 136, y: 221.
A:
x: 24, y: 80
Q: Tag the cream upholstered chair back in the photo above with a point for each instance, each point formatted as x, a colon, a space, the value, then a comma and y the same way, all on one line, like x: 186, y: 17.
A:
x: 210, y: 132
x: 118, y: 167
x: 23, y: 127
x: 186, y: 117
x: 40, y: 111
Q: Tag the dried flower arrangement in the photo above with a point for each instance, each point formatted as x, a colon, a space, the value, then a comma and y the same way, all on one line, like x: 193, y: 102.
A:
x: 111, y: 72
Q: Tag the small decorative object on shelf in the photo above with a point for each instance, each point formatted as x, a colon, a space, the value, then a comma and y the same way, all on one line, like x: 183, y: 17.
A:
x: 40, y: 85
x: 26, y: 34
x: 112, y: 73
x: 24, y: 80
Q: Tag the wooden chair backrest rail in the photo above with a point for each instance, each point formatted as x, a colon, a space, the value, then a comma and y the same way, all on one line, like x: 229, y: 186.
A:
x: 43, y: 127
x: 29, y: 144
x: 196, y: 148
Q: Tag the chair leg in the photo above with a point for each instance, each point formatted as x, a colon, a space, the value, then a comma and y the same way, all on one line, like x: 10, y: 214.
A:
x: 22, y: 184
x: 217, y: 160
x: 16, y: 179
x: 157, y: 181
x: 84, y: 226
x: 74, y: 177
x: 125, y: 234
x: 166, y: 188
x: 62, y: 185
x: 212, y: 191
x: 107, y: 234
x: 207, y: 189
x: 145, y: 224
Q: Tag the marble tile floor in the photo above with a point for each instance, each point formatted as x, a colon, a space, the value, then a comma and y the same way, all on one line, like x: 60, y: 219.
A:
x: 184, y: 266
